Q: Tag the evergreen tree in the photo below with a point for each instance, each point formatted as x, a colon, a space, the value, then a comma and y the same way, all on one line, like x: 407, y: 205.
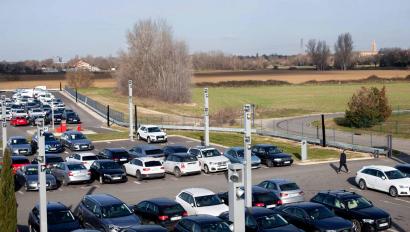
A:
x: 8, y: 209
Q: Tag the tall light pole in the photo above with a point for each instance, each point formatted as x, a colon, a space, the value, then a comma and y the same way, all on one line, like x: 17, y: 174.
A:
x: 4, y: 122
x: 206, y: 117
x: 42, y: 174
x: 52, y: 115
x: 247, y: 155
x: 130, y: 106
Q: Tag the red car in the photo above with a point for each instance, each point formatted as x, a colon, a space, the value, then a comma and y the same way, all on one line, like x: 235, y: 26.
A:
x: 19, y: 121
x: 18, y: 162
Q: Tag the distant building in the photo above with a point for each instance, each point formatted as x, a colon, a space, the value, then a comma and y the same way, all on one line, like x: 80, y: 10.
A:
x: 373, y: 51
x: 82, y: 65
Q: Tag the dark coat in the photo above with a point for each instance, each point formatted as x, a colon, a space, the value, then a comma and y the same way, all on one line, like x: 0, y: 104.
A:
x: 343, y: 158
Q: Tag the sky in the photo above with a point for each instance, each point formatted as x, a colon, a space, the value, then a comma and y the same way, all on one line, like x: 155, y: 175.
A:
x: 39, y: 29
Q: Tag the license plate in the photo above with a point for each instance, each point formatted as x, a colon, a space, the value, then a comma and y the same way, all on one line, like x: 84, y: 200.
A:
x: 116, y: 178
x: 160, y: 138
x: 52, y: 149
x: 23, y: 151
x: 74, y: 120
x: 84, y: 146
x: 176, y: 218
x: 123, y: 159
x: 287, y: 162
x: 384, y: 224
x: 270, y: 206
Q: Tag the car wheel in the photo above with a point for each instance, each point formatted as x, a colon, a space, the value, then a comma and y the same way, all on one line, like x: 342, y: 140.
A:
x: 101, y: 180
x: 393, y: 191
x: 356, y: 226
x: 138, y: 137
x: 177, y: 172
x: 64, y: 182
x: 362, y: 185
x: 269, y: 163
x: 206, y: 169
x: 139, y: 176
x: 148, y: 140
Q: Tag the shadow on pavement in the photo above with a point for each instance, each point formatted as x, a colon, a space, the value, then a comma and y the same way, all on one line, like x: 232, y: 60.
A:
x: 397, y: 227
x: 334, y: 167
x: 351, y: 180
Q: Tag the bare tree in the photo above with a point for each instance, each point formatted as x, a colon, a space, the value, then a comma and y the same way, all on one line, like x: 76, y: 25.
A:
x: 159, y: 65
x: 343, y: 51
x: 80, y: 79
x: 319, y: 52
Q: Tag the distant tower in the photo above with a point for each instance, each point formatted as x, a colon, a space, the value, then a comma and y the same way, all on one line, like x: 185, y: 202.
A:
x: 373, y: 47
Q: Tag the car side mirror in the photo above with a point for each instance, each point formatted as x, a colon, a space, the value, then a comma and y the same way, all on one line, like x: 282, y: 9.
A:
x: 192, y: 204
x: 383, y: 178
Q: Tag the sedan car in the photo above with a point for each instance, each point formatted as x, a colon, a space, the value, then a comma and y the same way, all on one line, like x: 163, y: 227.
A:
x: 27, y: 176
x: 76, y: 141
x: 71, y: 172
x: 19, y: 145
x: 86, y: 158
x: 147, y: 150
x: 71, y: 117
x: 202, y: 223
x: 160, y: 211
x: 118, y: 155
x: 259, y: 219
x: 145, y: 167
x: 260, y: 198
x: 271, y: 155
x: 311, y: 216
x: 351, y: 206
x: 201, y: 201
x: 236, y: 155
x: 19, y: 121
x: 288, y: 191
x: 59, y: 218
x: 107, y: 171
x: 385, y: 179
x: 52, y: 145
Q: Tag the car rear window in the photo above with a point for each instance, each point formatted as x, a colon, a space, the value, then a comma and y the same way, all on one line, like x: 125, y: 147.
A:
x: 152, y: 164
x: 89, y: 157
x: 20, y: 161
x: 75, y: 167
x: 153, y: 152
x: 289, y: 187
x: 172, y: 209
x: 189, y: 159
x: 54, y: 159
x: 120, y: 154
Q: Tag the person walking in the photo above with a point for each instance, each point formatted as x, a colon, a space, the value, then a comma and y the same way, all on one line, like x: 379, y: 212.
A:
x: 342, y: 162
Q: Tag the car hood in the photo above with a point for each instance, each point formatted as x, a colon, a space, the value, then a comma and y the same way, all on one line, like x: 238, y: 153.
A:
x: 287, y: 228
x: 371, y: 212
x: 214, y: 159
x: 81, y: 141
x: 333, y: 223
x: 279, y: 155
x: 122, y: 221
x: 157, y: 133
x: 112, y: 171
x: 403, y: 181
x: 20, y: 146
x: 52, y: 143
x: 64, y: 227
x: 214, y: 210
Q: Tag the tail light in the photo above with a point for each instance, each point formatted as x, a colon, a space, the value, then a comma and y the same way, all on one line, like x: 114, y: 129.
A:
x: 89, y: 173
x: 260, y: 204
x: 301, y: 193
x: 70, y: 173
x: 182, y: 165
x: 145, y: 169
x: 279, y: 202
x: 116, y: 160
x: 184, y: 214
x: 283, y: 194
x: 163, y: 218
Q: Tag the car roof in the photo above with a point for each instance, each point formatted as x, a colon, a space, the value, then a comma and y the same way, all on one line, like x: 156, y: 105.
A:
x: 104, y: 161
x: 17, y: 137
x: 52, y: 156
x: 162, y: 201
x: 257, y: 189
x: 181, y: 154
x: 175, y: 146
x: 203, y: 147
x: 72, y: 132
x: 305, y: 205
x: 380, y: 168
x: 147, y: 228
x: 198, y: 191
x: 82, y: 154
x: 280, y: 181
x: 18, y: 157
x: 265, y: 145
x: 104, y: 199
x: 149, y: 126
x: 115, y: 149
x: 147, y: 146
x: 259, y: 211
x: 203, y: 218
x: 236, y: 148
x: 54, y: 206
x: 340, y: 193
x: 147, y: 158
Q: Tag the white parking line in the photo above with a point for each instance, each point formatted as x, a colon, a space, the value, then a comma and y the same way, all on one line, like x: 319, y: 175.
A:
x: 171, y: 143
x: 398, y: 199
x: 266, y: 167
x: 137, y: 182
x: 388, y: 202
x: 96, y: 186
x: 20, y: 192
x: 356, y: 189
x: 206, y: 174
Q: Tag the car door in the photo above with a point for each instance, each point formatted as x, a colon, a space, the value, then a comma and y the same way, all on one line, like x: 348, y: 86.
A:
x: 329, y: 202
x: 169, y: 163
x: 86, y: 213
x: 96, y: 217
x: 94, y: 170
x: 58, y: 171
x: 152, y: 213
x: 141, y: 211
x: 370, y: 176
x: 382, y: 183
x: 300, y: 218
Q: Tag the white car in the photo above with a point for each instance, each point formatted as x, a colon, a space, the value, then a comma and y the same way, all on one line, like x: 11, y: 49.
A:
x: 145, y: 167
x: 210, y: 158
x: 201, y: 201
x: 182, y: 164
x: 36, y: 112
x: 385, y: 179
x: 86, y: 158
x: 151, y: 133
x: 18, y: 113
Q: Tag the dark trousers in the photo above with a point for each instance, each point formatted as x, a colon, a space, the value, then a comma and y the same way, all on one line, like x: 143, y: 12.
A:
x: 343, y: 165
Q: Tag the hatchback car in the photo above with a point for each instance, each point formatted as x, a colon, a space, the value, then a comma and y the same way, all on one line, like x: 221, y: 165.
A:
x: 118, y: 155
x: 260, y: 198
x: 147, y: 150
x: 145, y: 167
x: 59, y: 218
x: 182, y: 164
x: 107, y: 171
x: 288, y: 191
x: 19, y: 145
x: 19, y: 121
x: 236, y: 155
x: 76, y: 141
x: 351, y: 206
x: 202, y: 223
x: 210, y: 158
x: 311, y: 216
x: 201, y: 201
x: 404, y: 168
x: 71, y: 172
x: 52, y: 145
x: 385, y: 179
x: 259, y: 219
x: 27, y: 176
x: 86, y: 158
x: 271, y: 155
x: 160, y: 211
x: 105, y: 213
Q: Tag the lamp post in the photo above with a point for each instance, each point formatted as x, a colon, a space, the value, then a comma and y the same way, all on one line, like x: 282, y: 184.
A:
x: 206, y: 117
x: 247, y: 155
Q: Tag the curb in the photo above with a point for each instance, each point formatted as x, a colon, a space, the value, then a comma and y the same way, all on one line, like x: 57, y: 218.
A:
x: 302, y: 163
x: 197, y: 140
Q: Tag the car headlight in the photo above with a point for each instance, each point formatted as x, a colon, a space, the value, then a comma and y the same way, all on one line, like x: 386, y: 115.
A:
x: 48, y: 146
x: 107, y: 175
x: 330, y: 230
x: 76, y: 146
x: 370, y: 221
x: 114, y: 228
x: 277, y: 159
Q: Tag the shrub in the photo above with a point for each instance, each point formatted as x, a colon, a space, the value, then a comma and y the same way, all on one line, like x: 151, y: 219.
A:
x: 367, y: 107
x: 8, y: 209
x: 80, y: 79
x: 225, y: 116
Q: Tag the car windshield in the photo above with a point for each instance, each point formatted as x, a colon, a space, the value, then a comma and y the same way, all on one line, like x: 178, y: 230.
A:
x: 89, y: 157
x: 71, y: 114
x: 34, y: 171
x: 211, y: 153
x: 113, y: 211
x: 19, y: 141
x: 357, y: 203
x: 180, y: 150
x: 271, y: 221
x: 320, y: 213
x: 54, y: 160
x: 274, y: 150
x: 49, y: 137
x: 59, y: 217
x: 152, y: 164
x: 77, y: 136
x: 267, y: 197
x: 76, y: 167
x: 173, y: 209
x: 109, y: 165
x: 395, y: 174
x: 208, y: 200
x: 189, y: 159
x: 289, y: 187
x: 240, y: 153
x: 215, y: 227
x: 153, y: 152
x: 154, y: 129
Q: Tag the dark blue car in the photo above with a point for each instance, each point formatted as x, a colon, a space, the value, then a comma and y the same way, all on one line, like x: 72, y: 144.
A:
x: 52, y: 145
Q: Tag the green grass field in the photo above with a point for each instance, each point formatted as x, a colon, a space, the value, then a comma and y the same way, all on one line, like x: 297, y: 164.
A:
x: 270, y: 101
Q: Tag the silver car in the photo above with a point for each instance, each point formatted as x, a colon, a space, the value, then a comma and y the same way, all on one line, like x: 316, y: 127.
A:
x: 71, y: 172
x: 288, y: 191
x: 19, y: 145
x: 27, y: 176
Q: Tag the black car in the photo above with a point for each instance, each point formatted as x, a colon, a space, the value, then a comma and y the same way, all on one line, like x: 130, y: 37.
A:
x: 118, y: 155
x: 404, y: 168
x: 160, y: 211
x: 170, y: 149
x: 71, y: 117
x: 76, y: 141
x: 311, y: 216
x: 106, y: 213
x: 202, y: 223
x: 349, y: 205
x: 259, y: 219
x: 146, y: 150
x: 260, y: 198
x: 51, y: 160
x: 52, y: 145
x: 59, y: 218
x: 107, y: 171
x: 271, y: 155
x: 48, y: 119
x: 144, y: 228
